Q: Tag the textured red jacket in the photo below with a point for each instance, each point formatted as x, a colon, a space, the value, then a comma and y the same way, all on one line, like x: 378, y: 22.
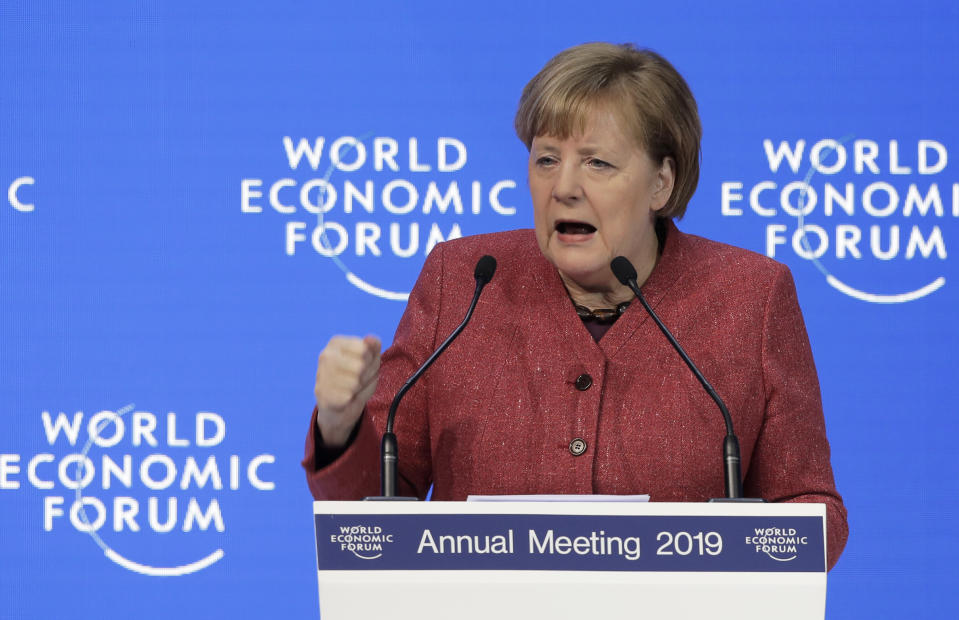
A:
x: 498, y: 412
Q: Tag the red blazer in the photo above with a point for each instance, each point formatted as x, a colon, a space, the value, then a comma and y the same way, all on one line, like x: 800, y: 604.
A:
x: 501, y: 410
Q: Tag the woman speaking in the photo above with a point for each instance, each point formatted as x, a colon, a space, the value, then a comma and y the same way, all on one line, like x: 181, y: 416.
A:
x: 560, y: 384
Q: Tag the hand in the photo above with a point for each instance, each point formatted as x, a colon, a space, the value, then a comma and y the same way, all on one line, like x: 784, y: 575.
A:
x: 346, y: 376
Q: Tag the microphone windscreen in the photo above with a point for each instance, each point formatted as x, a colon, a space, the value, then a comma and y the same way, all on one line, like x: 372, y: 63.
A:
x: 623, y: 269
x: 485, y: 268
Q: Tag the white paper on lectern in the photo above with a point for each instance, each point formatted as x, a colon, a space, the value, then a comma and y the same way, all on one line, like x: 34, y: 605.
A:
x: 558, y: 498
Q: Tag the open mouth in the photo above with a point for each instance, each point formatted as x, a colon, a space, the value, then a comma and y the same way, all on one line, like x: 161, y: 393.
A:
x: 567, y: 227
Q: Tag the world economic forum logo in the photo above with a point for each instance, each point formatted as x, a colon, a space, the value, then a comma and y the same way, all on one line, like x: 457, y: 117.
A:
x: 366, y: 542
x: 374, y: 206
x: 873, y: 216
x: 780, y: 544
x: 146, y: 488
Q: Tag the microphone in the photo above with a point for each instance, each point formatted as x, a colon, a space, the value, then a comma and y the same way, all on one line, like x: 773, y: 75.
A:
x: 483, y: 273
x: 485, y: 268
x: 626, y: 273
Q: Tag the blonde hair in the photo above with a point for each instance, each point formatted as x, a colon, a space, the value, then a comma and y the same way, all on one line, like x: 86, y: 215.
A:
x: 651, y: 96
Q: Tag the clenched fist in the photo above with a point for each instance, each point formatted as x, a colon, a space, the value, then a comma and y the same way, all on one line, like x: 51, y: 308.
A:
x: 346, y: 376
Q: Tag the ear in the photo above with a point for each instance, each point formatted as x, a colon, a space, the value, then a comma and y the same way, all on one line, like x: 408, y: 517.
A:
x: 663, y: 183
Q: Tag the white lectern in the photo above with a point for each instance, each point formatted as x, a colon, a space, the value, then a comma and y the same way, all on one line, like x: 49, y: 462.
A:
x: 576, y: 560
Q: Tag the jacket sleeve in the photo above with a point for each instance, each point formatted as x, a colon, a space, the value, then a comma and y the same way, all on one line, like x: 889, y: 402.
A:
x: 355, y: 473
x: 790, y: 460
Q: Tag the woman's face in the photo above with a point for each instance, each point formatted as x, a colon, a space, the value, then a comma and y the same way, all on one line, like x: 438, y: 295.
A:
x: 595, y: 197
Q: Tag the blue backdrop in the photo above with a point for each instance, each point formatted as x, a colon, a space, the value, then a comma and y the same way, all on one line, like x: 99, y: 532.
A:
x: 197, y: 197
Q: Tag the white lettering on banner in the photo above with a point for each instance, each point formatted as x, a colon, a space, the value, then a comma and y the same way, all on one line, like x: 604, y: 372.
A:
x: 248, y: 193
x: 467, y: 543
x: 332, y: 238
x: 209, y: 473
x: 688, y: 543
x: 353, y: 146
x: 34, y: 477
x: 96, y: 425
x: 13, y: 195
x: 385, y: 151
x: 781, y: 544
x: 253, y: 467
x: 82, y: 465
x: 403, y: 216
x: 123, y: 473
x: 157, y: 472
x: 816, y: 155
x: 203, y: 519
x: 542, y: 543
x: 415, y: 166
x: 442, y: 153
x: 126, y: 514
x: 202, y: 439
x: 826, y: 218
x: 595, y: 544
x: 313, y: 154
x: 398, y: 197
x: 128, y: 455
x: 365, y: 542
x: 731, y: 192
x: 275, y: 196
x: 167, y: 466
x: 878, y: 199
x: 865, y: 153
x: 847, y: 238
x: 70, y: 429
x: 143, y: 423
x: 783, y: 151
x: 9, y: 467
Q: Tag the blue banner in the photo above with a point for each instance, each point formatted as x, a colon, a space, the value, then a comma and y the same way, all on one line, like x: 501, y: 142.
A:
x: 569, y: 543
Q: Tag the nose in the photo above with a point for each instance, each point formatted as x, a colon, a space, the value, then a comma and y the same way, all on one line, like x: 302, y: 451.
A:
x: 567, y: 186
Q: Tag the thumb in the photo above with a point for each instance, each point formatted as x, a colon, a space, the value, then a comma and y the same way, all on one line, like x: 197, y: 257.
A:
x: 373, y: 345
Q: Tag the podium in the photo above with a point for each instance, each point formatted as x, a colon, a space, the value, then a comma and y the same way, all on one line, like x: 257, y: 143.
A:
x: 575, y: 560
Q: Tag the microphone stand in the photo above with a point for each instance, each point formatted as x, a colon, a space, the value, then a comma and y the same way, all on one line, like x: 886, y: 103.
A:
x: 732, y: 471
x: 483, y: 273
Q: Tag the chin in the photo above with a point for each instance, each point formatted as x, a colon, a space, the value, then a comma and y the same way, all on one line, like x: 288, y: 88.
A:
x: 594, y: 274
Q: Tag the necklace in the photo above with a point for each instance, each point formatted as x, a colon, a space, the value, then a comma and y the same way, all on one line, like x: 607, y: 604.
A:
x: 601, y: 315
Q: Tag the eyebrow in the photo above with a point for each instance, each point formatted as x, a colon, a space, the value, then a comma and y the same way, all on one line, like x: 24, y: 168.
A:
x: 609, y: 154
x: 586, y: 149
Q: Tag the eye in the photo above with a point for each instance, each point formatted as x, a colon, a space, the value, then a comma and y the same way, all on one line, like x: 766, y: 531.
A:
x: 545, y: 161
x: 599, y: 164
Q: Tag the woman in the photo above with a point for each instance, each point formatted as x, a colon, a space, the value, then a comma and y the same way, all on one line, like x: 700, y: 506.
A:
x: 560, y: 384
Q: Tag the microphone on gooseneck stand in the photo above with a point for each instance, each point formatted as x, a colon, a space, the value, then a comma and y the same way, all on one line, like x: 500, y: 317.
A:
x: 485, y: 268
x: 625, y: 273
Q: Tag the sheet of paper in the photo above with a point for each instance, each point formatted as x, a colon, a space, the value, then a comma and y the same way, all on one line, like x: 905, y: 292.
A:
x: 558, y: 498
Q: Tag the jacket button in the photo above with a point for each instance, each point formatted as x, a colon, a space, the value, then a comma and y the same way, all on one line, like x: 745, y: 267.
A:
x: 577, y: 446
x: 583, y: 382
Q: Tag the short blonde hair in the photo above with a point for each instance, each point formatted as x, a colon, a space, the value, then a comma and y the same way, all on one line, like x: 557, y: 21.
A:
x: 653, y: 98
